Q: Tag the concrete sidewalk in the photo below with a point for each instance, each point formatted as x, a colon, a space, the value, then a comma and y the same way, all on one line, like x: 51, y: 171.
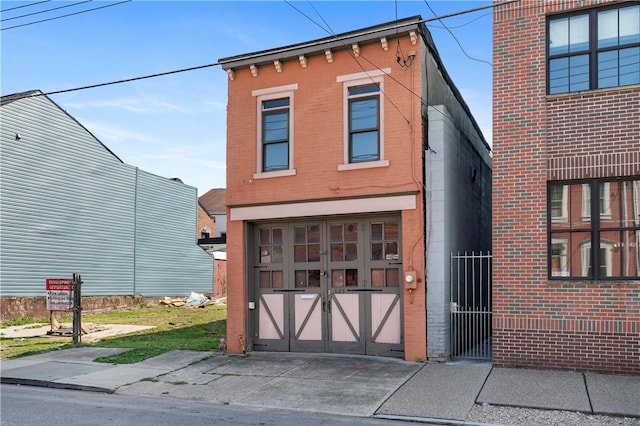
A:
x: 337, y: 384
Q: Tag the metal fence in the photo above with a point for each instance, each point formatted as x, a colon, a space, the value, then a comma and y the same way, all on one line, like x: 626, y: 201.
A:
x: 471, y: 305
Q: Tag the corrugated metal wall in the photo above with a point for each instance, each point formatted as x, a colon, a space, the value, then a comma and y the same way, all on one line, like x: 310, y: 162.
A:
x: 168, y: 258
x: 68, y: 205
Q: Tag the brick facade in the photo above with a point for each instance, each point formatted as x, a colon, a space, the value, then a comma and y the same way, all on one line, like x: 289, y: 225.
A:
x: 205, y: 223
x: 318, y: 102
x: 540, y: 138
x: 321, y: 184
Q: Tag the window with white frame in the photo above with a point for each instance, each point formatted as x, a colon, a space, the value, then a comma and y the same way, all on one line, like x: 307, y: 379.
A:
x: 275, y: 131
x: 363, y: 120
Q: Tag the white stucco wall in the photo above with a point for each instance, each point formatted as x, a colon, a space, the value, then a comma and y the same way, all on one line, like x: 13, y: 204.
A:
x: 458, y: 215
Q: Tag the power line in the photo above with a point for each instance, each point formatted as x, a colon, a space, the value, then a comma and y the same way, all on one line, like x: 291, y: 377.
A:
x: 462, y: 25
x: 216, y: 64
x: 127, y: 80
x: 423, y: 101
x: 45, y: 11
x: 24, y: 5
x: 351, y: 54
x: 456, y: 38
x: 64, y: 16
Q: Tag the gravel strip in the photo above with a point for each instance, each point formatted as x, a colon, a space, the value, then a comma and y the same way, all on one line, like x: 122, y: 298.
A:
x: 535, y: 417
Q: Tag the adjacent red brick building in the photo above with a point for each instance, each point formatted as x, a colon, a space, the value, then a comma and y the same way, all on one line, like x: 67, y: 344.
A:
x: 566, y: 188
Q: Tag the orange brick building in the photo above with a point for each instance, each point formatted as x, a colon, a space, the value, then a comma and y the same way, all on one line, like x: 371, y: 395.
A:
x: 566, y: 288
x: 353, y: 163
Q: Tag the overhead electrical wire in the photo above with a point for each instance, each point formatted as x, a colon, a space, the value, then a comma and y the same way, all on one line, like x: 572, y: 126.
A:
x: 330, y: 31
x: 24, y: 5
x: 455, y: 38
x: 462, y: 25
x: 377, y: 67
x: 64, y: 16
x: 126, y: 80
x: 216, y: 64
x: 45, y: 11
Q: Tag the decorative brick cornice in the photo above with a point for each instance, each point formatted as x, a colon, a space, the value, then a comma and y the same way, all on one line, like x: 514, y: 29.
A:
x: 594, y: 166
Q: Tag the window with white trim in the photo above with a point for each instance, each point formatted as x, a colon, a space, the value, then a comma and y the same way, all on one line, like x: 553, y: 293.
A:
x: 363, y: 120
x: 275, y: 131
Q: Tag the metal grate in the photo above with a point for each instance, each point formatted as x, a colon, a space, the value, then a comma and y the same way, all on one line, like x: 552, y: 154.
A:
x: 470, y: 305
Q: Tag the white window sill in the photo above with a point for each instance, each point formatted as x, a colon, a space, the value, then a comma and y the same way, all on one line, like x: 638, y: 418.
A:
x: 363, y: 165
x: 279, y: 173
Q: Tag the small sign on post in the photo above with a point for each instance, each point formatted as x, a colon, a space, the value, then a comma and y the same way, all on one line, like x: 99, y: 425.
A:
x: 60, y: 294
x: 63, y: 294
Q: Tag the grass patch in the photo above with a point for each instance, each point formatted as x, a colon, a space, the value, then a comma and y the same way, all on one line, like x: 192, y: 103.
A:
x: 10, y: 348
x: 23, y: 321
x: 197, y: 329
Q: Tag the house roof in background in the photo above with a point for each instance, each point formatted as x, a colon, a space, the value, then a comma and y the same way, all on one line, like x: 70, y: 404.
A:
x: 214, y: 201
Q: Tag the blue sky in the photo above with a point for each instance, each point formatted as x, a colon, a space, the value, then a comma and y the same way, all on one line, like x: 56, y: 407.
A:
x: 175, y: 125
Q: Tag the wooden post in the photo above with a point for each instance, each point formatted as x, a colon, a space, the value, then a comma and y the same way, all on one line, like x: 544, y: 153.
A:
x: 77, y: 310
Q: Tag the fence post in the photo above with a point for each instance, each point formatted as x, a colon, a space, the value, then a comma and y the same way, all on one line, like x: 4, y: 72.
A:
x: 77, y: 310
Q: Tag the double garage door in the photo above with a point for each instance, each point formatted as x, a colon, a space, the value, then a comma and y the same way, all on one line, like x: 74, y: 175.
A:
x: 328, y: 286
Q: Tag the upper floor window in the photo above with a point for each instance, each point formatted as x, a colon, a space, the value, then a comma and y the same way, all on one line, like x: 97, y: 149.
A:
x: 275, y: 135
x: 363, y: 119
x: 275, y: 131
x: 595, y: 49
x: 364, y: 123
x: 594, y: 230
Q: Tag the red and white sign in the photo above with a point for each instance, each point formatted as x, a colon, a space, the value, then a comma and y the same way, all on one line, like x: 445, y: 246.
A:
x: 65, y: 284
x: 59, y: 294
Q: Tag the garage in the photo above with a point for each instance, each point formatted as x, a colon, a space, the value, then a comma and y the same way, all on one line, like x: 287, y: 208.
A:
x: 327, y: 285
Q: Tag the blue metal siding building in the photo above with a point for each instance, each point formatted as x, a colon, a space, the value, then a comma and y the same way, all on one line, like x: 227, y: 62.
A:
x: 68, y: 204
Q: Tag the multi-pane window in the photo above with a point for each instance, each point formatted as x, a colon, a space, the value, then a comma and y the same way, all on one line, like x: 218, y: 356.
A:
x: 385, y: 237
x: 595, y: 49
x: 364, y: 123
x: 344, y: 251
x: 594, y: 237
x: 270, y: 256
x: 275, y: 135
x: 306, y: 255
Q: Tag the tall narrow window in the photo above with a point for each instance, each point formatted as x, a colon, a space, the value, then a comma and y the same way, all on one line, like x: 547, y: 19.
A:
x: 364, y: 123
x: 569, y: 54
x: 275, y: 131
x: 275, y: 135
x: 363, y: 115
x: 618, y: 58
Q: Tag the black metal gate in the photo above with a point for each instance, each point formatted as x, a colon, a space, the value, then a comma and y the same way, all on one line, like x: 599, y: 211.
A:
x: 471, y: 305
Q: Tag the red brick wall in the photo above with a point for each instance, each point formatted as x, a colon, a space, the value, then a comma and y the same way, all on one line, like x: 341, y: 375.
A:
x: 318, y: 150
x: 220, y: 278
x: 537, y: 138
x: 204, y: 220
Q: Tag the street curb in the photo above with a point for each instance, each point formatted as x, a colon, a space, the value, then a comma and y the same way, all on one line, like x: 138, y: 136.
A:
x: 54, y: 385
x: 429, y: 420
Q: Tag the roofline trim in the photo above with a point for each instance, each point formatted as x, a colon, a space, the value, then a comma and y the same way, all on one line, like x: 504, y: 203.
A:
x: 342, y: 41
